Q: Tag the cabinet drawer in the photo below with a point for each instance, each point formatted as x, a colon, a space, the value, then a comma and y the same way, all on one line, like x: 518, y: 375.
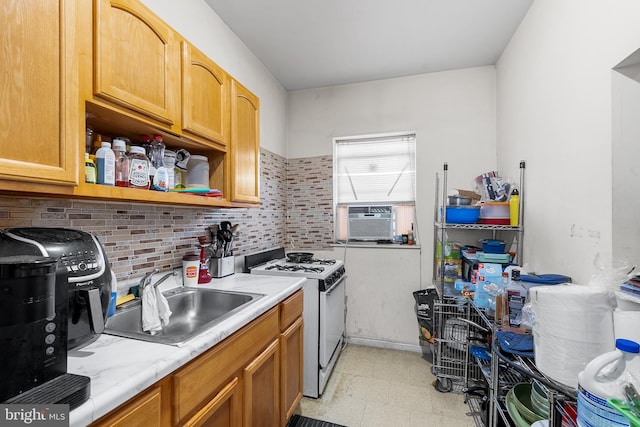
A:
x: 291, y: 309
x: 200, y: 380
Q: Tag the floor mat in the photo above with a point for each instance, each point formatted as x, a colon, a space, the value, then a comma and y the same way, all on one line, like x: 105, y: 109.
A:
x: 300, y: 421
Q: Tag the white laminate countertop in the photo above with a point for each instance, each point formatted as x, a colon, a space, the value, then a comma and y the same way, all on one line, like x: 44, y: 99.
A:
x: 120, y: 368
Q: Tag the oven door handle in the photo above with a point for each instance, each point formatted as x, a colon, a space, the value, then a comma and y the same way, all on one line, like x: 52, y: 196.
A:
x: 335, y: 285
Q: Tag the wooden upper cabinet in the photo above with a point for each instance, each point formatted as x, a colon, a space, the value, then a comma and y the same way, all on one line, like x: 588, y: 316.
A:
x: 205, y: 97
x: 40, y: 122
x: 245, y: 144
x: 136, y: 60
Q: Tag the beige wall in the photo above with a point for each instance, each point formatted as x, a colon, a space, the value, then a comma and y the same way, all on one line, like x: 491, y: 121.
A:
x: 554, y: 98
x: 453, y: 116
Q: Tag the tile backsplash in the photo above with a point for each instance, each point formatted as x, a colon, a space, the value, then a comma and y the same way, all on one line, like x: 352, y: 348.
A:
x: 295, y: 212
x: 139, y: 237
x: 310, y: 202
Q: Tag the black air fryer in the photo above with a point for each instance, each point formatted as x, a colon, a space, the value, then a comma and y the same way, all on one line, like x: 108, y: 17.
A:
x: 82, y: 257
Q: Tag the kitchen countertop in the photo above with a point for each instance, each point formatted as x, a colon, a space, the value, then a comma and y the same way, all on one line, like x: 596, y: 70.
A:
x: 120, y: 368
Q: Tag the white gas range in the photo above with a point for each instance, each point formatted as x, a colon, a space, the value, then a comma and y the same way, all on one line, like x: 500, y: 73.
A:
x: 324, y: 308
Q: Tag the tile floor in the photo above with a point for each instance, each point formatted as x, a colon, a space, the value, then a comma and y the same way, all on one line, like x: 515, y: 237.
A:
x: 381, y: 387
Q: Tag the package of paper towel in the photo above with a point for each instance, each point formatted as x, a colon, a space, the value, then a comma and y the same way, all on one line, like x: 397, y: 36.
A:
x: 572, y: 325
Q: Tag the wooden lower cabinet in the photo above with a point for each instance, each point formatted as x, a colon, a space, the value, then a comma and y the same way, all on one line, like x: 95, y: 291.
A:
x: 146, y: 409
x: 261, y: 384
x: 224, y: 410
x: 291, y: 353
x: 252, y: 379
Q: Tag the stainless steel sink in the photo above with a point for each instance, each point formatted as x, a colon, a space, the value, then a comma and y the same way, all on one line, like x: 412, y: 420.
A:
x: 194, y: 310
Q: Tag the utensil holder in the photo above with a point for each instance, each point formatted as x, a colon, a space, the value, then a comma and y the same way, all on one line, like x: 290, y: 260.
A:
x: 222, y: 267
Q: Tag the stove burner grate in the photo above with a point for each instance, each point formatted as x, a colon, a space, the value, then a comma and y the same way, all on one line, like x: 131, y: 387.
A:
x: 322, y: 261
x: 297, y: 267
x: 315, y: 261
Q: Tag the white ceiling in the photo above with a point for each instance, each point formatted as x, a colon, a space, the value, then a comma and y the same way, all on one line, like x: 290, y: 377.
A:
x: 316, y: 43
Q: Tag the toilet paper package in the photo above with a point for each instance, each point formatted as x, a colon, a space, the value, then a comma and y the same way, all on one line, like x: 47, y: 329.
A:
x: 573, y: 324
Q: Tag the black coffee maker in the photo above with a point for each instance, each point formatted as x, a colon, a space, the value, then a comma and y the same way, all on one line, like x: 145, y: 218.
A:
x: 82, y: 257
x: 33, y: 334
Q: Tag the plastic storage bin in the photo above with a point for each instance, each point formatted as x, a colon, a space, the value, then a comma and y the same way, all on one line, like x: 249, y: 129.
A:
x: 490, y: 246
x: 495, y: 213
x: 198, y: 172
x: 462, y: 214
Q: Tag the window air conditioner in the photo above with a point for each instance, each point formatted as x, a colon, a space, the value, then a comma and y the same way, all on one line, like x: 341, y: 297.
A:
x: 370, y: 223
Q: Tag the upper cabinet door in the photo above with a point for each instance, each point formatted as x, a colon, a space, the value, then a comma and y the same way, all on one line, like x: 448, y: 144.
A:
x: 136, y: 59
x: 40, y: 123
x: 245, y: 144
x: 205, y: 97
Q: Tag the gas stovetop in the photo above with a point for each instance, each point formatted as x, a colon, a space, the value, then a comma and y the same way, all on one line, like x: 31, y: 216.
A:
x: 314, y: 269
x: 275, y: 263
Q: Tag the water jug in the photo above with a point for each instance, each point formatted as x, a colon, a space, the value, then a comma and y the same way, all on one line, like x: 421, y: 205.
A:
x: 601, y: 380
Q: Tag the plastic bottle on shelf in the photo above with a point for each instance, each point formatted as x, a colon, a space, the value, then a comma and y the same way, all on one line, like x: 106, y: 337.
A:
x: 138, y: 168
x: 170, y: 164
x: 122, y: 162
x: 89, y: 170
x: 158, y: 174
x: 145, y: 142
x: 502, y: 302
x: 97, y: 144
x: 106, y: 164
x: 514, y: 208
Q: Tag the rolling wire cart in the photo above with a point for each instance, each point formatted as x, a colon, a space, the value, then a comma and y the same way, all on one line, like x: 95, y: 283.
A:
x: 457, y: 329
x: 502, y: 371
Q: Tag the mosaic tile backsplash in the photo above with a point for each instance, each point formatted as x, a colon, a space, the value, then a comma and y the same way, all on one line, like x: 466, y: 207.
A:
x: 296, y: 207
x: 310, y: 202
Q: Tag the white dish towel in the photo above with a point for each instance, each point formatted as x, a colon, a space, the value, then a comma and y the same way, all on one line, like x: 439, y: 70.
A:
x: 155, y: 311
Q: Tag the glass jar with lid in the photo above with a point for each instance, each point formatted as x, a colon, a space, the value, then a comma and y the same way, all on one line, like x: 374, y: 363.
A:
x: 138, y: 168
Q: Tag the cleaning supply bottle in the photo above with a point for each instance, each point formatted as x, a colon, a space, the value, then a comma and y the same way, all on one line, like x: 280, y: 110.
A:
x: 106, y: 164
x: 514, y: 208
x: 601, y: 380
x: 90, y: 174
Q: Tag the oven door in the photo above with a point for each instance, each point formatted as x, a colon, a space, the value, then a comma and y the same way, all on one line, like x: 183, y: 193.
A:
x: 331, y: 320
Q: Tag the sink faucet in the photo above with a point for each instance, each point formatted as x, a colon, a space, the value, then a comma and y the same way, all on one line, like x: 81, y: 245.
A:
x: 146, y: 280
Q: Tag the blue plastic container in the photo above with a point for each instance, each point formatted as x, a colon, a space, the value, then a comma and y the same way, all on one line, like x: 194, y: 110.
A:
x: 462, y: 214
x: 490, y: 246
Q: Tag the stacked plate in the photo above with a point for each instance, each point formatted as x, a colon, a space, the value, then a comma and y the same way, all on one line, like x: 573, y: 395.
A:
x: 521, y: 407
x: 539, y: 400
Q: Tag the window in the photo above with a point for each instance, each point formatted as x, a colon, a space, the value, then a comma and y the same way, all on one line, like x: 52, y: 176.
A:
x: 374, y: 182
